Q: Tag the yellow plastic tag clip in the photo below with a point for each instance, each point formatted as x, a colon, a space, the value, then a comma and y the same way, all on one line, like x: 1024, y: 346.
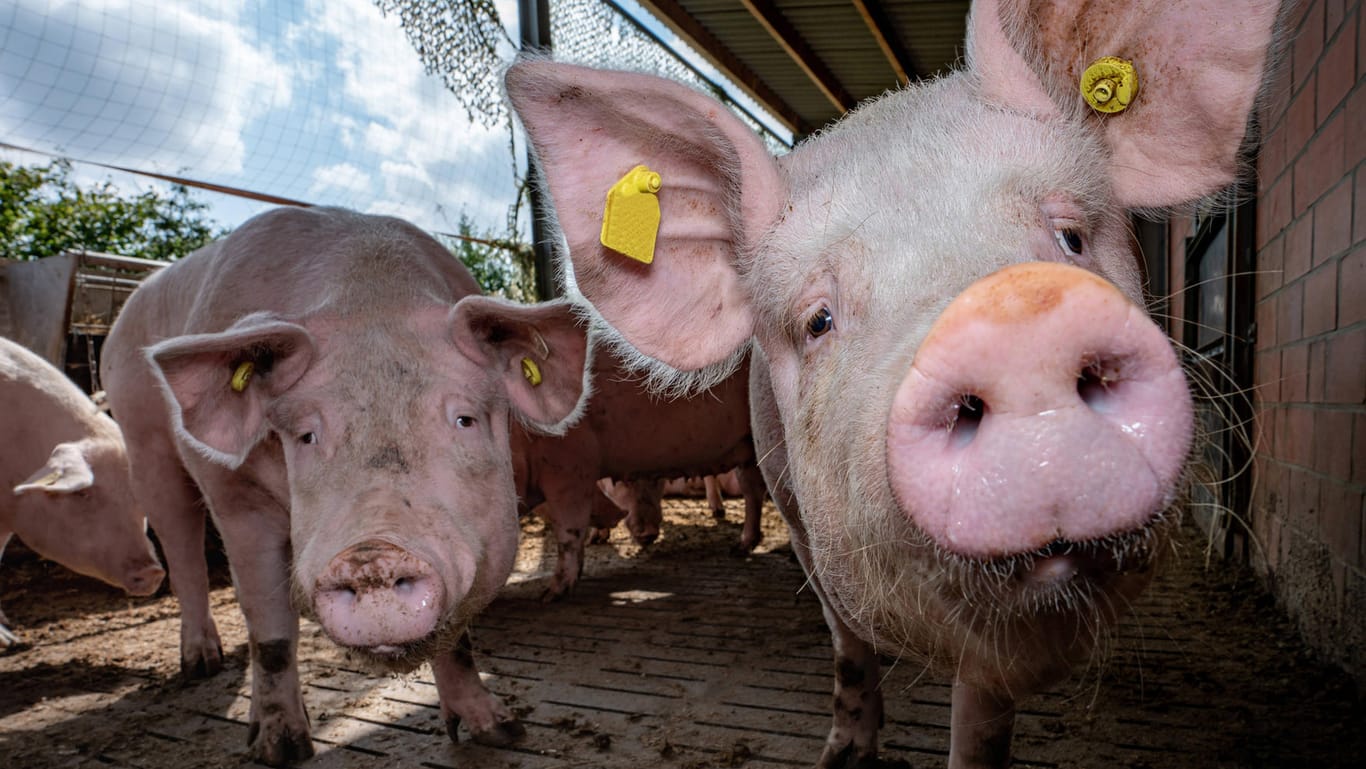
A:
x: 630, y: 218
x: 1110, y: 84
x: 50, y: 479
x: 242, y: 375
x: 531, y: 371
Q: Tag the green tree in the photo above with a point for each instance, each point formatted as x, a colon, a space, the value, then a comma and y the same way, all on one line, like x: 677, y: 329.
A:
x: 43, y: 212
x: 502, y: 267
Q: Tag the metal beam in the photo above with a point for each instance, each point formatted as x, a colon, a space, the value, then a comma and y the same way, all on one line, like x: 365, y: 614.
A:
x: 681, y: 23
x: 533, y: 18
x: 782, y: 32
x: 887, y: 40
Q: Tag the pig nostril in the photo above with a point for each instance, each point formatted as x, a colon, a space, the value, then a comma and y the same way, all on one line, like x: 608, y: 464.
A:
x: 1096, y: 385
x: 968, y: 414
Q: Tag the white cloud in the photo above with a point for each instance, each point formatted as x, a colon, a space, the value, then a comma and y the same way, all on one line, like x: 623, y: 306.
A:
x: 110, y: 80
x: 342, y: 176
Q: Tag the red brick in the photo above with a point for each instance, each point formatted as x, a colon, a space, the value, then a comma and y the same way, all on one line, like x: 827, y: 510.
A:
x: 1318, y: 370
x: 1356, y: 125
x: 1299, y: 249
x: 1320, y: 301
x: 1335, y: 74
x: 1333, y: 223
x: 1273, y: 209
x: 1266, y: 324
x: 1352, y: 288
x: 1270, y: 267
x: 1267, y: 376
x: 1294, y: 373
x: 1300, y: 120
x: 1340, y: 521
x: 1361, y: 43
x: 1332, y: 439
x: 1359, y: 217
x: 1333, y: 13
x: 1308, y: 45
x: 1271, y: 160
x: 1302, y: 502
x: 1299, y: 436
x: 1346, y: 379
x: 1322, y: 164
x: 1290, y: 313
x: 1359, y: 449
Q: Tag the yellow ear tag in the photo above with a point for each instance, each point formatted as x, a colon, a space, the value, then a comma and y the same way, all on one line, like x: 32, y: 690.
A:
x: 242, y: 375
x: 630, y: 219
x: 1110, y: 84
x: 50, y: 479
x: 531, y: 371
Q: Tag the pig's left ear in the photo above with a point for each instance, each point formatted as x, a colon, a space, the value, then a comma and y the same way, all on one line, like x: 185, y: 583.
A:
x: 66, y: 471
x: 219, y: 385
x: 1199, y: 67
x: 539, y: 351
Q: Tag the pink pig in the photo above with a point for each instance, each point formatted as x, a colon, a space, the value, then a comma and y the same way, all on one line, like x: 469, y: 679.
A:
x: 973, y: 430
x: 629, y: 435
x: 68, y: 469
x: 337, y: 392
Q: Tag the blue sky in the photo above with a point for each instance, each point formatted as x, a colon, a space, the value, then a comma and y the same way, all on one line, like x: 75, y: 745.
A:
x: 317, y: 100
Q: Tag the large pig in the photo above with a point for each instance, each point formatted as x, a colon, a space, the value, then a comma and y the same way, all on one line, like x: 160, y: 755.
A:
x: 975, y: 433
x: 629, y: 435
x: 67, y: 466
x: 334, y: 388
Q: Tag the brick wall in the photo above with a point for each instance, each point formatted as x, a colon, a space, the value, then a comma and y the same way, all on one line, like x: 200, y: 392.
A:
x: 1310, y: 354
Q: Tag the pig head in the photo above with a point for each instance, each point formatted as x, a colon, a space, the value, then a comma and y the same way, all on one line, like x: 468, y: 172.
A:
x: 973, y: 429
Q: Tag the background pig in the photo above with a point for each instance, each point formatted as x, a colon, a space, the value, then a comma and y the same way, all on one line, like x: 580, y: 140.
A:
x: 642, y: 500
x: 627, y: 434
x: 66, y: 464
x: 973, y: 431
x: 332, y: 386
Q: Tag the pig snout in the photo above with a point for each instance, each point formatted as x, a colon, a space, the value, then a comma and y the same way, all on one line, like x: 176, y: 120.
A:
x: 1042, y: 406
x: 143, y: 579
x: 377, y: 596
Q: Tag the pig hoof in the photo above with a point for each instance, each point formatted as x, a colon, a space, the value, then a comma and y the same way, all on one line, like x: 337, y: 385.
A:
x: 204, y: 665
x: 719, y: 513
x: 9, y: 640
x: 551, y: 595
x: 278, y: 744
x: 501, y: 735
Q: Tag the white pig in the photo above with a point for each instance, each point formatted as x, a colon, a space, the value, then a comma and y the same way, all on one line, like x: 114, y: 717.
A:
x: 975, y: 433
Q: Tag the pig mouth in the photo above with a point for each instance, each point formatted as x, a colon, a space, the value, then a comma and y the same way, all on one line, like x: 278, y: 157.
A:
x: 408, y: 656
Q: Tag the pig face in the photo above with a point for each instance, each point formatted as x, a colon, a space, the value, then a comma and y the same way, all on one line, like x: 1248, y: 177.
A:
x: 77, y: 510
x: 983, y: 431
x: 391, y: 436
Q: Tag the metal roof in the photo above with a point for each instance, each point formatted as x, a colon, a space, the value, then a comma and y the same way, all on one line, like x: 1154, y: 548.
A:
x: 810, y: 61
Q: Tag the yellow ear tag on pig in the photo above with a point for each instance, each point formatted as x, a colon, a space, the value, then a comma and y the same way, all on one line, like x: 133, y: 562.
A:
x: 242, y: 375
x: 630, y: 219
x: 50, y: 479
x: 1110, y: 84
x: 531, y: 371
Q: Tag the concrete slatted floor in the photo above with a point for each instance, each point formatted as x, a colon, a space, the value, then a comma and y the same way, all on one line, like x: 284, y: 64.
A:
x: 689, y: 658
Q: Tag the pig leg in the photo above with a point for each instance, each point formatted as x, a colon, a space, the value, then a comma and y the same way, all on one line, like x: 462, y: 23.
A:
x: 714, y: 500
x: 171, y: 502
x: 752, y: 484
x: 570, y: 517
x: 7, y: 639
x: 982, y: 726
x: 464, y: 699
x: 255, y: 531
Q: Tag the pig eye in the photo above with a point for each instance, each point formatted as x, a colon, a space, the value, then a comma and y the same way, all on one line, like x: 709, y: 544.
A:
x: 1069, y: 240
x: 308, y: 439
x: 820, y: 322
x: 464, y: 421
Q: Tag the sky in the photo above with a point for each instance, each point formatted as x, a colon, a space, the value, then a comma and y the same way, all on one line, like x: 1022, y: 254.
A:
x: 323, y: 101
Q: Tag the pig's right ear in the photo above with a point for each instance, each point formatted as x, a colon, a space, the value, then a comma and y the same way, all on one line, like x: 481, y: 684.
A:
x: 218, y: 386
x: 538, y: 351
x: 719, y: 190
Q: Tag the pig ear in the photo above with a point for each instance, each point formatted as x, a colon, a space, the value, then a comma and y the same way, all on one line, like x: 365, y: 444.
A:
x: 66, y: 471
x: 1199, y: 65
x: 218, y: 386
x: 539, y: 351
x: 719, y: 190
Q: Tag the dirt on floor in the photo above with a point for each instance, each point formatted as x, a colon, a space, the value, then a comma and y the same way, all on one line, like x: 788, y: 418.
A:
x: 679, y: 655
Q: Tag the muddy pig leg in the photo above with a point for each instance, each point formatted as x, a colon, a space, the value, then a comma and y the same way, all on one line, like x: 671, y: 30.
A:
x: 464, y: 699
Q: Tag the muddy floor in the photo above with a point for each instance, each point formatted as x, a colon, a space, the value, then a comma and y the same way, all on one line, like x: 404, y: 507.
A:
x: 683, y: 655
